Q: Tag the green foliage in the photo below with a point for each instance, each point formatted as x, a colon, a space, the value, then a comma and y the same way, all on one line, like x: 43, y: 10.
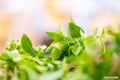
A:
x: 27, y: 45
x: 74, y: 29
x: 55, y: 36
x: 72, y: 57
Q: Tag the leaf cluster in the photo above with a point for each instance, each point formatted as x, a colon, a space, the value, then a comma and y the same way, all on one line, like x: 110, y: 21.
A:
x: 72, y: 55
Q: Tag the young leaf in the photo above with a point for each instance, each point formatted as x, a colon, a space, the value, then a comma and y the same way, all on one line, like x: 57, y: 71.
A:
x: 55, y: 36
x: 76, y: 49
x: 92, y: 45
x: 103, y: 33
x: 29, y: 72
x: 74, y: 30
x: 56, y: 75
x: 27, y: 45
x: 40, y: 51
x: 95, y: 31
x: 56, y: 53
x: 63, y: 30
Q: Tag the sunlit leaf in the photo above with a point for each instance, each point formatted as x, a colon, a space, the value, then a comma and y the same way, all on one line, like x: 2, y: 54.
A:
x: 27, y: 45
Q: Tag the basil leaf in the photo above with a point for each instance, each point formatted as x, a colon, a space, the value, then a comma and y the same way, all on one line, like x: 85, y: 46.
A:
x: 76, y: 49
x: 63, y: 30
x: 95, y: 31
x: 55, y: 36
x: 92, y: 45
x: 29, y: 72
x: 74, y: 30
x: 27, y: 45
x: 56, y: 75
x: 56, y: 53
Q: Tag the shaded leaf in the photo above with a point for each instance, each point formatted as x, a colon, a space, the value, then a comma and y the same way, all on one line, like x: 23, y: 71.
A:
x: 76, y: 49
x: 56, y: 53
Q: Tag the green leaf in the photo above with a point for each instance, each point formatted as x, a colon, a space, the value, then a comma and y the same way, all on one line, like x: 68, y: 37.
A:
x: 56, y: 53
x: 74, y: 30
x: 55, y: 36
x: 27, y: 73
x: 5, y: 56
x: 63, y: 30
x: 3, y: 76
x: 92, y: 45
x: 102, y: 34
x: 56, y: 75
x: 40, y: 51
x: 49, y: 49
x: 76, y: 49
x: 95, y: 31
x: 117, y: 38
x: 27, y: 45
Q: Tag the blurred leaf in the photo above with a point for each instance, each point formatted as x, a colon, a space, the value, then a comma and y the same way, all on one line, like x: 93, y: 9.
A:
x: 95, y: 31
x: 56, y: 75
x: 92, y: 45
x: 3, y: 76
x: 63, y: 30
x: 27, y: 73
x: 56, y: 53
x: 103, y: 33
x: 76, y: 49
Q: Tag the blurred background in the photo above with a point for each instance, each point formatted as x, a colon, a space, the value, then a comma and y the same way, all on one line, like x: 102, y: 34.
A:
x: 35, y: 17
